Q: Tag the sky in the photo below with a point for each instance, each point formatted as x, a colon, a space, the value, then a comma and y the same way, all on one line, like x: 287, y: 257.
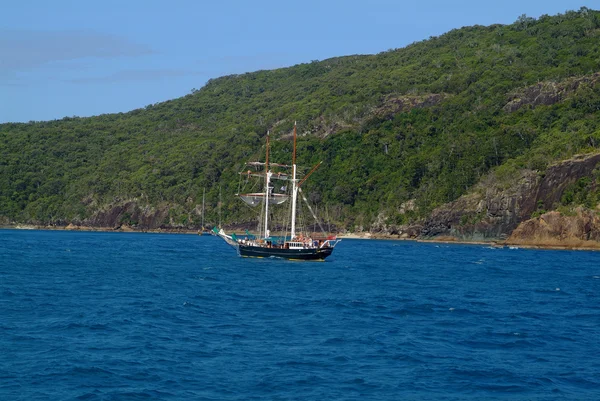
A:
x: 62, y: 58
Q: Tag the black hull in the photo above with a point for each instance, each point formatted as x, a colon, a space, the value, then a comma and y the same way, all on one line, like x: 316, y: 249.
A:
x: 294, y: 254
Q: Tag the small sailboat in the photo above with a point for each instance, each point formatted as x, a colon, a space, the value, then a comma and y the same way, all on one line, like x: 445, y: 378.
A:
x: 293, y: 244
x: 202, y: 229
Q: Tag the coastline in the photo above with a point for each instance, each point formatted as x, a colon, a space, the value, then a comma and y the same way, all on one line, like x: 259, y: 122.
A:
x: 544, y: 244
x: 120, y: 229
x: 547, y: 244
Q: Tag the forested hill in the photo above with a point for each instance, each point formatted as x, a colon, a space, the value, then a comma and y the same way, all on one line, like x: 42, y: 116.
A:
x: 400, y: 133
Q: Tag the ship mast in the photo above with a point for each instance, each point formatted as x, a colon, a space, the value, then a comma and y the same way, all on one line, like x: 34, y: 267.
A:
x: 267, y: 179
x: 294, y: 187
x: 203, y: 196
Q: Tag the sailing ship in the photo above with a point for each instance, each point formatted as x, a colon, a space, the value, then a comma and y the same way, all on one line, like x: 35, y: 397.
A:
x: 293, y: 244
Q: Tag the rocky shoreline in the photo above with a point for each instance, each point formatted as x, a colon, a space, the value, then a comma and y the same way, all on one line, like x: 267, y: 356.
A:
x: 497, y: 212
x: 572, y: 244
x: 526, y: 243
x: 119, y: 229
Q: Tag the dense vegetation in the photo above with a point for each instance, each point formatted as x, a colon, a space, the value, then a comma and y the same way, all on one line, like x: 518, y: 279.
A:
x: 424, y: 122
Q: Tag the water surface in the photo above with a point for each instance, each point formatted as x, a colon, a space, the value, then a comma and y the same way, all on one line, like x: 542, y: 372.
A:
x: 113, y: 316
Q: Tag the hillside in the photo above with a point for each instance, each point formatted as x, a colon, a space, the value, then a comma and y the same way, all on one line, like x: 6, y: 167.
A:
x: 401, y: 133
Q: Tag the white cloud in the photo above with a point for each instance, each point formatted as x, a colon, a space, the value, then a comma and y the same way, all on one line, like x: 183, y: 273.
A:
x: 23, y: 50
x: 135, y: 75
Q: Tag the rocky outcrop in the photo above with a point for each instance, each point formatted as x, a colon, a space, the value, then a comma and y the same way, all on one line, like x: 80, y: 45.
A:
x: 382, y: 229
x: 402, y: 231
x: 559, y: 177
x: 129, y: 214
x: 493, y: 210
x: 490, y: 212
x: 322, y: 127
x: 548, y: 93
x: 403, y: 104
x: 553, y: 229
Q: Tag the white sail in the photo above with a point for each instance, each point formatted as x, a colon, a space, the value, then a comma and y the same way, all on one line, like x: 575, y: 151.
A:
x: 255, y: 199
x: 274, y: 176
x: 270, y: 164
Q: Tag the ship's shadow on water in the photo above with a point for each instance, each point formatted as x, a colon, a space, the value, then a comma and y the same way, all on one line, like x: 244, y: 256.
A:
x: 105, y: 316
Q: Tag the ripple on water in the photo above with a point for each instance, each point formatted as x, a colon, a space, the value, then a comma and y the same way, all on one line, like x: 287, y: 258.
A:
x: 134, y: 316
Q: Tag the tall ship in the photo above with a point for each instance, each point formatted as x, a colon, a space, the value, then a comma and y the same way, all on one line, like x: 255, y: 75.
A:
x: 292, y: 241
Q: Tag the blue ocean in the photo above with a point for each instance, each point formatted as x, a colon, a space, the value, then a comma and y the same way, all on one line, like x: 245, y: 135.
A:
x: 128, y: 316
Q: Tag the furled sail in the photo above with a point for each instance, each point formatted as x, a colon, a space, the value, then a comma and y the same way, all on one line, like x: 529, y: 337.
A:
x: 256, y: 164
x: 257, y: 198
x: 274, y: 176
